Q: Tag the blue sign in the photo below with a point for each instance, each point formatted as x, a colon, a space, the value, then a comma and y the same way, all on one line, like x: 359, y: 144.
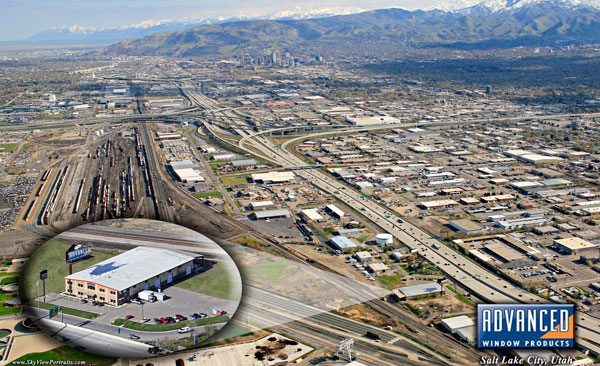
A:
x: 525, y: 326
x: 79, y: 252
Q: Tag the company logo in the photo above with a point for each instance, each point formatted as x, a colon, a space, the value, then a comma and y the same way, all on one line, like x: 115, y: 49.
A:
x: 525, y: 326
x: 78, y: 252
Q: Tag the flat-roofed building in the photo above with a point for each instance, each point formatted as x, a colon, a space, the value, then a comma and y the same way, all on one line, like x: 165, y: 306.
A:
x: 574, y: 245
x: 335, y: 211
x: 421, y: 289
x: 377, y: 267
x: 457, y: 322
x: 342, y: 243
x: 273, y: 177
x: 271, y: 214
x: 116, y: 280
x: 311, y: 215
x: 261, y: 205
x: 466, y: 226
x: 364, y: 257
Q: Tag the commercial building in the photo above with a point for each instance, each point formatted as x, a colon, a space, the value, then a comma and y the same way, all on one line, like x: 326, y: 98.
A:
x: 422, y: 289
x: 378, y: 267
x: 335, y: 211
x: 465, y: 226
x: 364, y: 257
x: 271, y: 214
x: 118, y: 279
x: 273, y: 177
x: 342, y: 243
x: 372, y: 120
x: 574, y: 245
x: 186, y: 171
x: 311, y: 215
x: 457, y: 322
x: 261, y: 205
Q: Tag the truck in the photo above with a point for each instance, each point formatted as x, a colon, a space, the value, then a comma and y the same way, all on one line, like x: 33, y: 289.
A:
x: 147, y: 296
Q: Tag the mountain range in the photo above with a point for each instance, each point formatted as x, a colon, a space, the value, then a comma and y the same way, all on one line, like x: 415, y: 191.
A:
x: 491, y: 23
x: 78, y: 33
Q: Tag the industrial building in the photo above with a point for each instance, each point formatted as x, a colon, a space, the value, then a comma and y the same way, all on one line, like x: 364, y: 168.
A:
x: 364, y: 257
x: 462, y: 326
x: 271, y: 214
x: 335, y: 211
x: 574, y: 245
x: 118, y: 279
x: 186, y: 171
x: 384, y: 239
x: 342, y: 243
x: 311, y: 215
x: 261, y: 205
x: 465, y: 226
x: 273, y: 177
x: 422, y: 289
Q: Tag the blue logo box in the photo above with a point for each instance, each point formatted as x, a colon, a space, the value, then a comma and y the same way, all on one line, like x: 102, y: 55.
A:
x: 525, y: 326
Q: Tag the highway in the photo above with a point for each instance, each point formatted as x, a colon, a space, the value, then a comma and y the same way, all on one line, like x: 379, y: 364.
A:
x: 463, y: 271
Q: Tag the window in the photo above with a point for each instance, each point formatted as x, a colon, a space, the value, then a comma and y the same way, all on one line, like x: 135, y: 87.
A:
x: 80, y: 293
x: 91, y: 286
x: 80, y: 285
x: 112, y: 300
x: 69, y: 290
x: 102, y: 290
x: 102, y: 298
x: 112, y: 292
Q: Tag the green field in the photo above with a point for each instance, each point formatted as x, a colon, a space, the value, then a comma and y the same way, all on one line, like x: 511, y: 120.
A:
x: 69, y: 311
x: 9, y: 280
x: 170, y: 326
x: 8, y: 311
x: 214, y: 282
x: 8, y: 274
x: 234, y: 180
x: 51, y: 256
x: 391, y: 282
x: 273, y: 269
x: 208, y: 194
x: 8, y: 147
x: 66, y: 353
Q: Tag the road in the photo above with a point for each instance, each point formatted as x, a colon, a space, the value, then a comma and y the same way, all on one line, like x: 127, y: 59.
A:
x: 476, y: 279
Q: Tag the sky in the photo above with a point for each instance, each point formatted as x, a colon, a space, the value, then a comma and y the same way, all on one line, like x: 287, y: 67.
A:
x: 20, y: 19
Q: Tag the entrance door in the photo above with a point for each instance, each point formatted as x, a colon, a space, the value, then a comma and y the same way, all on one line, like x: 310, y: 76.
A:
x: 157, y: 284
x: 169, y: 278
x: 188, y: 270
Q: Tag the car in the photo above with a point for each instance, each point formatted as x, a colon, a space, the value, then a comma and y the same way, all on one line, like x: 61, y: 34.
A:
x: 203, y: 315
x: 84, y: 301
x: 129, y: 317
x: 134, y: 337
x: 164, y: 320
x: 171, y: 319
x: 157, y: 321
x: 180, y: 317
x: 184, y: 330
x: 145, y: 320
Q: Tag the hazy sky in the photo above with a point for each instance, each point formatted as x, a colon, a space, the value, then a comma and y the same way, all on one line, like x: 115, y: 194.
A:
x: 20, y: 19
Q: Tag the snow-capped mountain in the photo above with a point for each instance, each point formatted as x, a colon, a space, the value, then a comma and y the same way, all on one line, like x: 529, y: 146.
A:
x: 508, y: 5
x: 76, y: 33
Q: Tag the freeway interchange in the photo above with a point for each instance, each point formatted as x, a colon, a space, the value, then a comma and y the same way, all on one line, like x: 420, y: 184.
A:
x: 477, y: 280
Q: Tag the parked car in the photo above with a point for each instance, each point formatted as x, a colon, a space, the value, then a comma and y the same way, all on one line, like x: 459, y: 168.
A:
x: 128, y: 317
x: 134, y: 337
x: 164, y: 320
x: 157, y: 321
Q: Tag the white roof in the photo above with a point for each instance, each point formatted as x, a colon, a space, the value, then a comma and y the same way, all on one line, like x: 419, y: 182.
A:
x: 189, y: 174
x: 274, y: 176
x: 458, y: 322
x: 132, y: 267
x: 336, y: 210
x: 575, y: 243
x: 312, y: 214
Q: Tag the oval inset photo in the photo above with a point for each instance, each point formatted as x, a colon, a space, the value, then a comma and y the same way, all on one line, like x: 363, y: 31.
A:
x: 131, y: 288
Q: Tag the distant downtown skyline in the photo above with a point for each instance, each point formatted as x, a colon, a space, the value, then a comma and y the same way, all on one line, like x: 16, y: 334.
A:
x: 20, y: 19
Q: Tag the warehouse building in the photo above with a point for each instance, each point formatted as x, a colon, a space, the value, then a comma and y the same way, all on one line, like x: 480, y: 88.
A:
x: 118, y: 279
x: 421, y: 289
x: 311, y: 215
x: 342, y: 243
x: 186, y: 171
x: 466, y: 226
x: 271, y: 214
x: 574, y: 245
x: 335, y: 211
x: 273, y: 177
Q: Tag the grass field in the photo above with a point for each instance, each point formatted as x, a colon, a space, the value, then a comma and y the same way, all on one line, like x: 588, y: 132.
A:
x: 9, y: 280
x: 214, y: 282
x: 170, y: 326
x: 8, y: 274
x: 208, y: 194
x: 51, y: 256
x: 8, y: 147
x: 66, y: 353
x: 69, y: 311
x: 391, y: 282
x: 234, y: 180
x: 8, y: 311
x: 273, y: 269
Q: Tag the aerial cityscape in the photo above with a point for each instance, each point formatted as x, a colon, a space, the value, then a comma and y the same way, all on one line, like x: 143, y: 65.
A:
x: 373, y: 184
